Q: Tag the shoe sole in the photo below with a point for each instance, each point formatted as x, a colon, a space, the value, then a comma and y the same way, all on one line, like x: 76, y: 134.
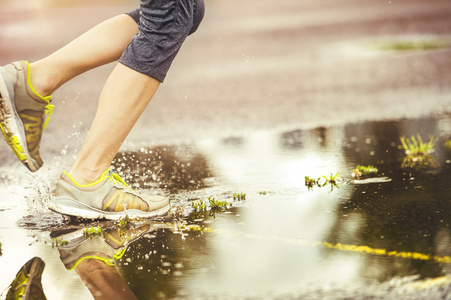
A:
x: 71, y: 207
x: 11, y: 124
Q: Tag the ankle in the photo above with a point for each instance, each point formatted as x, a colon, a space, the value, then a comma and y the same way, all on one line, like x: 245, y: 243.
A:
x: 85, y: 176
x: 40, y: 80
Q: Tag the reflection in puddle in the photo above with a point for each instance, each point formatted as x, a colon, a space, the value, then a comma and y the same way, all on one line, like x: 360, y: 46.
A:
x: 93, y: 252
x: 366, y: 238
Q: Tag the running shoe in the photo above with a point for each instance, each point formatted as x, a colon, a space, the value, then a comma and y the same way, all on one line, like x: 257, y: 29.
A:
x: 107, y: 198
x: 107, y: 245
x: 22, y: 113
x: 27, y: 283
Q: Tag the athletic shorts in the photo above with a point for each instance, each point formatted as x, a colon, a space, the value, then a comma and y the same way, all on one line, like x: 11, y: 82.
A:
x: 163, y: 27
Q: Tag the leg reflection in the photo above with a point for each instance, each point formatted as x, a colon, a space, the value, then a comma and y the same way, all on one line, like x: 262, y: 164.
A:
x: 102, y: 280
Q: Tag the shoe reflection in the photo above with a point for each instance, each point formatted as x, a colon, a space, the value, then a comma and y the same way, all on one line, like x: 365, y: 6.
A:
x: 93, y: 251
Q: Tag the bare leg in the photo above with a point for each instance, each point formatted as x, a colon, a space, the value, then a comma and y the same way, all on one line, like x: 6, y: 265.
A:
x: 104, y: 282
x: 100, y: 45
x: 123, y: 99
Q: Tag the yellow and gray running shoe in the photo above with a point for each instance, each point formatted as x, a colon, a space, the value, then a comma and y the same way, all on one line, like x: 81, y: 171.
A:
x: 22, y: 113
x: 107, y: 198
x: 27, y: 284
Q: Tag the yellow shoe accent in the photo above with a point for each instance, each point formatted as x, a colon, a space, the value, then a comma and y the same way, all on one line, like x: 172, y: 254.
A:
x: 107, y: 261
x: 114, y: 177
x: 13, y: 142
x: 17, y: 148
x: 49, y: 107
x: 123, y: 201
x: 46, y: 99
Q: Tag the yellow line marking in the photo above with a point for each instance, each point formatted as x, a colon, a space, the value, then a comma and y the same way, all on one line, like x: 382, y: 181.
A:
x: 384, y: 252
x: 337, y: 246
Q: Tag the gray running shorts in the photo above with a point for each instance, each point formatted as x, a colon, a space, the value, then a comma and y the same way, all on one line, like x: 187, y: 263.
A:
x: 163, y: 27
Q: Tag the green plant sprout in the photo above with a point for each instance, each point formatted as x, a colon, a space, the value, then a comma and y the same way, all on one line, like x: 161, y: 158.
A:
x: 367, y: 169
x: 332, y: 180
x: 201, y: 207
x: 216, y: 205
x: 1, y: 253
x: 364, y: 170
x: 58, y: 242
x: 416, y: 147
x: 310, y: 182
x: 92, y: 231
x: 418, y: 153
x: 239, y: 197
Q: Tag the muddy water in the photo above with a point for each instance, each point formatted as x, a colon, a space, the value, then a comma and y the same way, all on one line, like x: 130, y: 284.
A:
x: 384, y: 234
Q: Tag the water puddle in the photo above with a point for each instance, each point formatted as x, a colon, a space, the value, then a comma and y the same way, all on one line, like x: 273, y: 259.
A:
x: 322, y: 213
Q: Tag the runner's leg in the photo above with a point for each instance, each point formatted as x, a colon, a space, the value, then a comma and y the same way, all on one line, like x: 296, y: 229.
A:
x: 100, y: 45
x: 124, y: 97
x: 163, y: 27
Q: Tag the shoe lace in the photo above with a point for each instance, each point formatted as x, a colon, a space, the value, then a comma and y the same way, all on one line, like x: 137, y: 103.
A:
x: 48, y: 112
x: 116, y: 178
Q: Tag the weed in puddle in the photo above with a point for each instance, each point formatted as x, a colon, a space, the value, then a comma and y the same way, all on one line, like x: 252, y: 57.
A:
x: 418, y: 153
x: 360, y: 171
x: 332, y: 180
x: 213, y: 206
x: 310, y: 182
x: 217, y: 206
x: 239, y: 196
